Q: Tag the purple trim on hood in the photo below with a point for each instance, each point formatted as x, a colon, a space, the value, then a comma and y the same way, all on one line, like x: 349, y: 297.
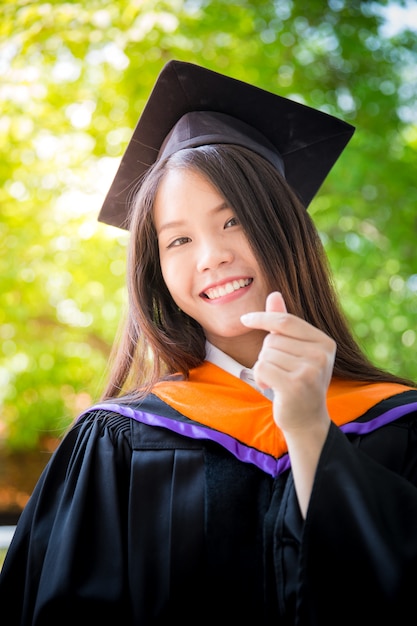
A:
x: 362, y: 428
x: 246, y: 454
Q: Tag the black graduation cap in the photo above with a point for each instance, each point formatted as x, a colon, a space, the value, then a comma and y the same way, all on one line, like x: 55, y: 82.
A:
x: 191, y: 106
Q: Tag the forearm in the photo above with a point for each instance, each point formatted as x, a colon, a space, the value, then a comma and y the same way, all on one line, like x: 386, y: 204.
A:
x: 304, y: 448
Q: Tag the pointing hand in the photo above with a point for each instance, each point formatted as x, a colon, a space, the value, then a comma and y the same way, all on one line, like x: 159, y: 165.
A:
x: 296, y: 361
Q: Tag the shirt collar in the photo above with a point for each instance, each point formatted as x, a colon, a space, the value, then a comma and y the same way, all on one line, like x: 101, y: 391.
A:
x: 221, y: 359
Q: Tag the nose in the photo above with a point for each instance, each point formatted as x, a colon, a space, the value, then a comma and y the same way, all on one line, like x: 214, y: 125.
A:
x: 212, y: 252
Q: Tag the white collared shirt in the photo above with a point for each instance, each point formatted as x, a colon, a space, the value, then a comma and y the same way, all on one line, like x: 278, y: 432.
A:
x: 223, y: 360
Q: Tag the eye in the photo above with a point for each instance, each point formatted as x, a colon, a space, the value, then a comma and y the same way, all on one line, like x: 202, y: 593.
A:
x: 233, y: 221
x: 180, y: 241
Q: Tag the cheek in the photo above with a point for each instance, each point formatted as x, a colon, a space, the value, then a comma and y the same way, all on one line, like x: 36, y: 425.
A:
x: 174, y: 273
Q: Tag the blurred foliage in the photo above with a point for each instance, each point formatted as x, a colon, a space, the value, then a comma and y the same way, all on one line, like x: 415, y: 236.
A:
x: 74, y: 79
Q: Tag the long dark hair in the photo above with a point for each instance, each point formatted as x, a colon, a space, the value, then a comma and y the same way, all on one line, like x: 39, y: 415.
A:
x: 158, y: 339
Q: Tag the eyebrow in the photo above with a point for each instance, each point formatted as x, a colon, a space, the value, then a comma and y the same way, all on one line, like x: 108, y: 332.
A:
x: 178, y: 223
x: 170, y: 225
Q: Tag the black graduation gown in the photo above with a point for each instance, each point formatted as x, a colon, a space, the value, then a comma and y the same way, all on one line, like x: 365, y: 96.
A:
x: 132, y: 523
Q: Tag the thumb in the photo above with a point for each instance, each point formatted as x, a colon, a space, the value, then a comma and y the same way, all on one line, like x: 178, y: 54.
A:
x: 275, y: 303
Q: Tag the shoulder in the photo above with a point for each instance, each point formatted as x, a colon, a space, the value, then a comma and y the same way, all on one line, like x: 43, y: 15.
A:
x: 146, y: 422
x: 96, y: 435
x: 399, y: 409
x: 100, y: 420
x: 388, y: 433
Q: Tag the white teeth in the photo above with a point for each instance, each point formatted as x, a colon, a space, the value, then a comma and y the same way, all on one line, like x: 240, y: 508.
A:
x: 234, y: 285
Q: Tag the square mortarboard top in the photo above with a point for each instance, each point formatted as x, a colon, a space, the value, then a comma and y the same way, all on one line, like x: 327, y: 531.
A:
x: 191, y: 106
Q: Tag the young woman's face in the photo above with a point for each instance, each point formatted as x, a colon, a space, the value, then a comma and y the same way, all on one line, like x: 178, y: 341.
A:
x: 206, y: 260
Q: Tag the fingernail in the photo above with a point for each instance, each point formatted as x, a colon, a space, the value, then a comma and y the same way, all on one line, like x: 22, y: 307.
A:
x: 247, y: 317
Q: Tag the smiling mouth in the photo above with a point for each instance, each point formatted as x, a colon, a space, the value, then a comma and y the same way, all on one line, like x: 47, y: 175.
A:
x: 227, y: 288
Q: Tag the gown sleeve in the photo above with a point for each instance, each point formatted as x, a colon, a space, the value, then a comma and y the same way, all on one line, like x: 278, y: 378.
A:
x: 358, y: 558
x: 61, y: 564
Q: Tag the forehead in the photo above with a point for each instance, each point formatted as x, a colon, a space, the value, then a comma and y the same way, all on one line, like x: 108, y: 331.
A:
x: 183, y: 195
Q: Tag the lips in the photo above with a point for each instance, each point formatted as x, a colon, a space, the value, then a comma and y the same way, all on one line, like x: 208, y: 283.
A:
x: 227, y: 288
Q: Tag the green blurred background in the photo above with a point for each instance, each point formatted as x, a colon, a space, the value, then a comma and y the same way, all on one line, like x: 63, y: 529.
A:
x: 74, y: 77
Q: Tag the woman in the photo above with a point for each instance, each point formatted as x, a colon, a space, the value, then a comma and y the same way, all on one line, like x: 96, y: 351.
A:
x: 247, y: 462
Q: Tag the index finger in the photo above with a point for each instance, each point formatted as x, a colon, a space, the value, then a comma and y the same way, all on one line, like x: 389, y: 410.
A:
x: 281, y: 323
